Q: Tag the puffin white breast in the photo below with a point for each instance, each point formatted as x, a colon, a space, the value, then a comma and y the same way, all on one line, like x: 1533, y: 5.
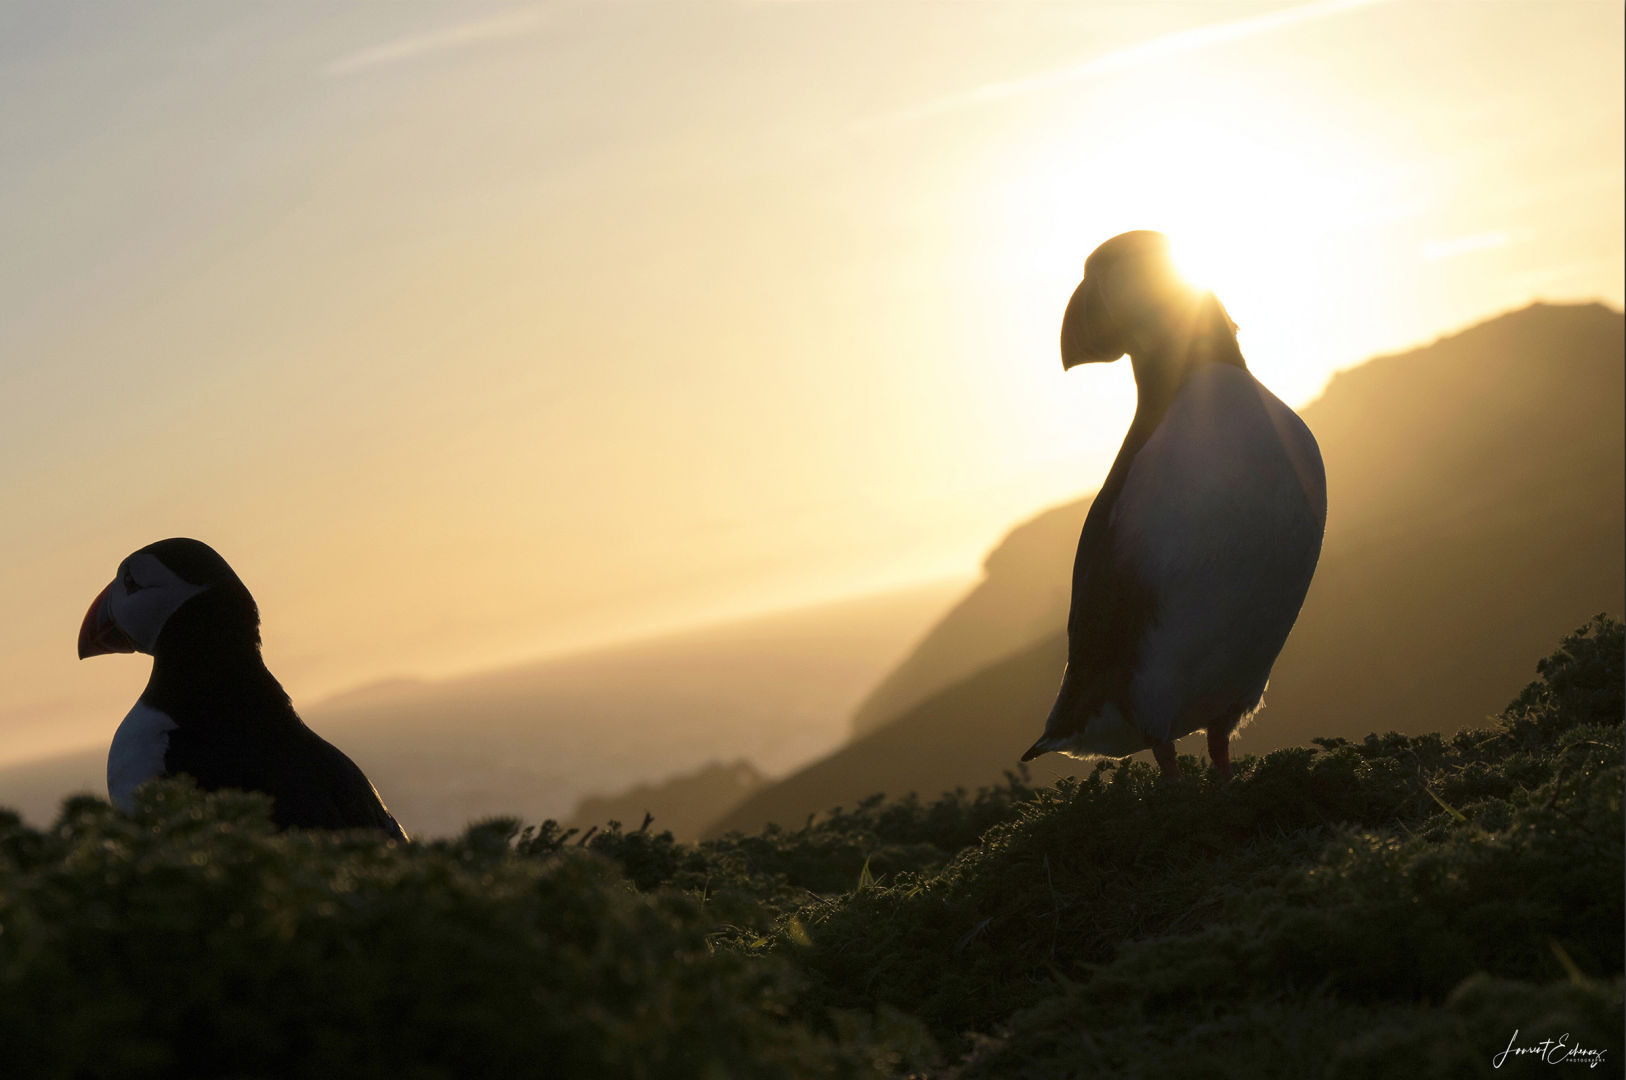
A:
x: 137, y: 753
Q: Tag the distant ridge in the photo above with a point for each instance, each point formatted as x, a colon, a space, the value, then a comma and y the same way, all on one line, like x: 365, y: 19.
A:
x: 536, y: 740
x: 1478, y: 510
x: 1015, y: 606
x: 682, y: 805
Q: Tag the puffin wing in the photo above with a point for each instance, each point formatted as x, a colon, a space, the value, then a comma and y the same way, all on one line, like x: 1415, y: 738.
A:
x: 1221, y: 518
x: 1192, y: 567
x: 1112, y: 603
x: 312, y: 783
x: 336, y: 794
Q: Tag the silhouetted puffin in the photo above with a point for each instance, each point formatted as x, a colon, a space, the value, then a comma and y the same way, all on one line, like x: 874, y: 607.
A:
x: 211, y: 710
x: 1199, y: 548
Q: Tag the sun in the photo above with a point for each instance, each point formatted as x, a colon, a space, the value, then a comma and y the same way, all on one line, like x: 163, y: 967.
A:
x: 1234, y: 220
x: 1201, y: 259
x: 1262, y: 205
x: 1249, y: 213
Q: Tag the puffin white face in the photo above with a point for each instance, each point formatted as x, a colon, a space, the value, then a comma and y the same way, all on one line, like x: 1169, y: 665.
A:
x: 129, y: 614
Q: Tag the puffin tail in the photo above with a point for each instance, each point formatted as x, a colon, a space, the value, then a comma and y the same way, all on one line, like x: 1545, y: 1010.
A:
x: 1043, y: 746
x: 1061, y: 727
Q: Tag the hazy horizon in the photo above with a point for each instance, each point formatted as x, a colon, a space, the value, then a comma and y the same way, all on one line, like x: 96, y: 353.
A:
x: 471, y: 335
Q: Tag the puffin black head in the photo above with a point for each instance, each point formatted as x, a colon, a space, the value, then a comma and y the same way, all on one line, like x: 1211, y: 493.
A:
x: 1133, y: 300
x: 154, y: 584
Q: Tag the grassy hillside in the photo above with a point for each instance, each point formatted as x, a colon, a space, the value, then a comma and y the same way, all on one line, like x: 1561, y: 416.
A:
x: 1477, y: 508
x: 1390, y: 906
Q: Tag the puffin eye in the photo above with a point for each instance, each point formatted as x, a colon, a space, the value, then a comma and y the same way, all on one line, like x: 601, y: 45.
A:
x: 129, y: 582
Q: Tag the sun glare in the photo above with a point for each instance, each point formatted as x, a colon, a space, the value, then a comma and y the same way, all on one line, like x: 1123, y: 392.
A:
x: 1252, y: 196
x: 1244, y: 221
x: 1198, y: 260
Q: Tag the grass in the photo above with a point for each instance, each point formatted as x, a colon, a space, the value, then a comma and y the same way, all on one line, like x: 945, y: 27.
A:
x: 1398, y: 905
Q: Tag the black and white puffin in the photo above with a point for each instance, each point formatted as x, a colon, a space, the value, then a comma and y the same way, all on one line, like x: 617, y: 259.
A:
x: 211, y: 710
x: 1199, y: 548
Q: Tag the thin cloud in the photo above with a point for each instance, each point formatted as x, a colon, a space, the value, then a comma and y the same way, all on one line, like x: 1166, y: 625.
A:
x: 511, y: 24
x: 1175, y: 44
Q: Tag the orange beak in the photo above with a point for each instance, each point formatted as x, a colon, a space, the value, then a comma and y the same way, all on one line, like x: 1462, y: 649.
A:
x: 99, y: 634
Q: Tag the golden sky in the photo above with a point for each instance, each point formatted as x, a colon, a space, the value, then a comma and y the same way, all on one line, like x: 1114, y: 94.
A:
x: 472, y: 332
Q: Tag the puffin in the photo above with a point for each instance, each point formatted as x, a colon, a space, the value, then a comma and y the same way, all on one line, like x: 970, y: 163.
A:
x: 1198, y: 550
x: 211, y: 709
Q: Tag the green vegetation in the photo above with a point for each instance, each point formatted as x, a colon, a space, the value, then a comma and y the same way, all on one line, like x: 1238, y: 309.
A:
x: 1395, y: 906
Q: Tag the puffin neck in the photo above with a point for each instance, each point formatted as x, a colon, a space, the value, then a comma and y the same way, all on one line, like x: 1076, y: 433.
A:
x: 209, y: 650
x: 1161, y: 372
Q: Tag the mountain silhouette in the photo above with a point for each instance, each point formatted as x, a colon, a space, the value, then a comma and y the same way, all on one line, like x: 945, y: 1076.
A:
x: 1477, y: 510
x: 682, y: 805
x: 1017, y: 604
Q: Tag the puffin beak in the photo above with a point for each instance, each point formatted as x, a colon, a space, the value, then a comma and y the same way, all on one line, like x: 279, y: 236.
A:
x: 1083, y: 329
x: 100, y: 634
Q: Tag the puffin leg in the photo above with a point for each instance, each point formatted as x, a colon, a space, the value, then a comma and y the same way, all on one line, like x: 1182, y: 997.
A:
x: 1164, y: 753
x: 1219, y: 748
